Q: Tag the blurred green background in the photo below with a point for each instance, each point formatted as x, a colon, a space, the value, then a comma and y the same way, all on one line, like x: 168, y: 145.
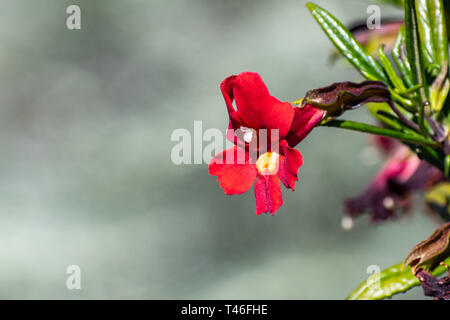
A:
x: 86, y: 176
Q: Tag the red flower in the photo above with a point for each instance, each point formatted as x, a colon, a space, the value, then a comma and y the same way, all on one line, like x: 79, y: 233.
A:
x: 264, y: 131
x: 391, y: 189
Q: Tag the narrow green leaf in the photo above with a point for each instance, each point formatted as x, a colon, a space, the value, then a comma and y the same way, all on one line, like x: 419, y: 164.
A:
x: 363, y: 127
x: 439, y: 89
x: 443, y: 94
x: 393, y: 122
x: 414, y: 56
x: 425, y: 28
x: 389, y: 282
x: 384, y: 114
x: 400, y: 58
x: 347, y: 44
x: 440, y: 40
x: 411, y: 38
x: 405, y: 102
x: 433, y: 156
x: 395, y: 80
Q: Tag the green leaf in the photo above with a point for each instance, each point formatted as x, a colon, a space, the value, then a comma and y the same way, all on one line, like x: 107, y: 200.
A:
x: 431, y: 155
x: 425, y: 28
x: 400, y: 59
x: 433, y: 34
x: 443, y: 94
x: 396, y: 123
x: 347, y: 44
x: 411, y: 38
x: 427, y: 255
x: 384, y: 113
x: 414, y: 56
x: 439, y: 89
x: 363, y: 127
x: 405, y: 102
x: 439, y: 29
x: 393, y: 122
x: 389, y: 282
x: 395, y: 80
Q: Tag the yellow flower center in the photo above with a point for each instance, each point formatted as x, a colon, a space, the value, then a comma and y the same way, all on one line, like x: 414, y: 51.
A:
x: 267, y: 164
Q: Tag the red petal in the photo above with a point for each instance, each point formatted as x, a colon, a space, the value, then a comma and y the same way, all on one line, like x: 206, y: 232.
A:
x: 289, y: 165
x: 235, y: 177
x: 268, y: 194
x: 395, y: 181
x: 305, y: 119
x: 227, y: 91
x: 256, y: 108
x: 235, y: 123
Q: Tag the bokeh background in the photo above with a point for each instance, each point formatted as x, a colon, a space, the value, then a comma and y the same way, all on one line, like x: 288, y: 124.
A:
x: 86, y: 176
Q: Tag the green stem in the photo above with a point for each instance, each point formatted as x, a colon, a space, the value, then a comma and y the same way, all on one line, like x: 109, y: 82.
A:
x: 367, y: 128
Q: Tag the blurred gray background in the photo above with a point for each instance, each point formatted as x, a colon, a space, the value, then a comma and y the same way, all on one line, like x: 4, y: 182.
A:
x: 85, y: 171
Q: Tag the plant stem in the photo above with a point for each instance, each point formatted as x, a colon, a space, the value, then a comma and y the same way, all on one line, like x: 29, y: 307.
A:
x: 402, y: 118
x: 367, y: 128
